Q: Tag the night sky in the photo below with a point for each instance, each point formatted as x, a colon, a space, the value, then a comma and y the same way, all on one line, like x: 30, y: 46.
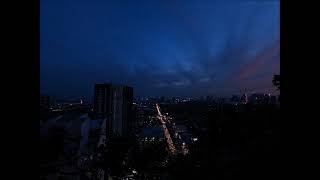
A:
x: 160, y: 47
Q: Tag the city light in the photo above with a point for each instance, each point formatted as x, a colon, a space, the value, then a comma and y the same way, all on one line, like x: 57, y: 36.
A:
x: 112, y: 71
x: 166, y: 131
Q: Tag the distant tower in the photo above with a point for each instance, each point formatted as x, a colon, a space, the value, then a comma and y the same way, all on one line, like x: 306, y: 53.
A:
x: 244, y: 99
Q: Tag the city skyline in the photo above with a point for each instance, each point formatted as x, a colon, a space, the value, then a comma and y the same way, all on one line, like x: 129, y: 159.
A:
x: 160, y: 48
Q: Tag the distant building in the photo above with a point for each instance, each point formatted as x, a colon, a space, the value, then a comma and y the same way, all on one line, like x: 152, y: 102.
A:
x: 244, y: 99
x: 266, y: 99
x: 152, y: 134
x: 273, y: 100
x: 235, y: 99
x: 114, y: 102
x: 102, y: 100
x: 210, y: 99
x: 180, y: 128
x: 257, y: 98
x: 162, y: 99
x: 45, y: 102
x: 173, y: 99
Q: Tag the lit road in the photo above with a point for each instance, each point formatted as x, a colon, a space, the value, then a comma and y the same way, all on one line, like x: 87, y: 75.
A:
x: 184, y: 148
x: 166, y: 131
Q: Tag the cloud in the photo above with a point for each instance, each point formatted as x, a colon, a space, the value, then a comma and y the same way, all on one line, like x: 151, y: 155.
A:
x: 178, y: 48
x: 181, y: 83
x: 259, y: 62
x: 204, y: 80
x: 162, y: 84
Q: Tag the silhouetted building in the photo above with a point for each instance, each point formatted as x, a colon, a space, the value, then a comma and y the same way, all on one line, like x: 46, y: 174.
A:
x: 244, y: 99
x: 45, y: 102
x: 257, y: 98
x: 162, y: 99
x: 114, y: 102
x: 102, y: 100
x: 235, y: 99
x: 266, y: 99
x: 173, y: 99
x: 273, y: 100
x: 210, y: 99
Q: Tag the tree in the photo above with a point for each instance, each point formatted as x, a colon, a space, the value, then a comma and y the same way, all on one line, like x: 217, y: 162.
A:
x: 276, y: 81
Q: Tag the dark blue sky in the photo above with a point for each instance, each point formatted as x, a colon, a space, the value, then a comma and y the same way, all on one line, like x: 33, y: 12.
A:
x: 160, y: 47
